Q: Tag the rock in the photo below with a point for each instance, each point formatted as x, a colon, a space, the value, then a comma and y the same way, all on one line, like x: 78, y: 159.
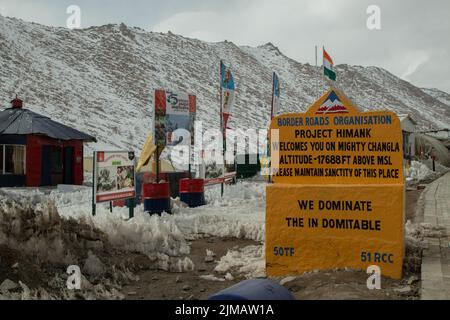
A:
x: 412, y: 280
x: 132, y: 293
x: 85, y: 284
x: 202, y: 290
x: 229, y: 277
x: 295, y: 288
x: 286, y: 280
x: 94, y: 245
x: 25, y: 291
x: 15, y: 265
x: 209, y: 256
x: 154, y: 278
x: 8, y: 285
x: 93, y: 265
x: 403, y: 290
x: 186, y: 288
x: 201, y: 269
x: 178, y: 280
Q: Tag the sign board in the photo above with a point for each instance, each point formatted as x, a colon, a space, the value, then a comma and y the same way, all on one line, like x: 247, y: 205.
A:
x: 338, y: 194
x: 338, y: 145
x: 174, y: 117
x: 114, y: 176
x: 215, y: 171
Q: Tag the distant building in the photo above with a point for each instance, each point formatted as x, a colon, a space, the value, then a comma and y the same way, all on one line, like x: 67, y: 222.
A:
x: 37, y: 151
x: 409, y: 128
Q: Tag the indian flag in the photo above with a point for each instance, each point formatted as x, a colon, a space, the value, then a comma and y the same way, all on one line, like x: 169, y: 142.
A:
x: 328, y: 66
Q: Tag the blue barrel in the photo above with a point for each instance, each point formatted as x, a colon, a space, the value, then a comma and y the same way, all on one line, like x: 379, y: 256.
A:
x: 193, y: 200
x: 157, y: 206
x: 156, y: 197
x: 254, y: 289
x: 192, y: 192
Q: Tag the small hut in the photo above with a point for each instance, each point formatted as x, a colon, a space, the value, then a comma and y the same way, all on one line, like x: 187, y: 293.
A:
x: 409, y: 136
x: 37, y: 151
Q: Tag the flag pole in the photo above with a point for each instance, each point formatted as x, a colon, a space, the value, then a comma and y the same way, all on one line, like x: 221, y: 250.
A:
x: 271, y: 118
x: 221, y: 127
x: 273, y: 93
x: 323, y: 68
x: 318, y: 79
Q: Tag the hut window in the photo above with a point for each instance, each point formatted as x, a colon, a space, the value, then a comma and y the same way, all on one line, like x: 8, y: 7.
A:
x: 12, y: 159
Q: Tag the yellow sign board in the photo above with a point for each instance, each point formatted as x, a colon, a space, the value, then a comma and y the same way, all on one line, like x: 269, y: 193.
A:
x: 334, y: 143
x: 311, y: 227
x: 338, y: 194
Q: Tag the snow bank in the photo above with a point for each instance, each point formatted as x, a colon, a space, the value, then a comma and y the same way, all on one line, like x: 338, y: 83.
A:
x: 240, y: 214
x: 419, y: 172
x: 249, y: 261
x: 57, y: 226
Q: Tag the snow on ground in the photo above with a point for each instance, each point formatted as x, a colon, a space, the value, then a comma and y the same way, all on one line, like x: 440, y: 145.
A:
x: 241, y: 214
x: 249, y: 261
x: 420, y: 171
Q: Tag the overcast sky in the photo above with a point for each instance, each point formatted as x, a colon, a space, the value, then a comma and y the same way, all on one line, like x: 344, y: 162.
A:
x: 413, y: 43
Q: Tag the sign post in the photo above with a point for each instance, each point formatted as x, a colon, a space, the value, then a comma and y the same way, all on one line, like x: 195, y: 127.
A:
x: 338, y: 194
x: 114, y: 177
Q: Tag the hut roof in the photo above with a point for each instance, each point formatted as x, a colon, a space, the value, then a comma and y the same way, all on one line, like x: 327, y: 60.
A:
x: 19, y: 121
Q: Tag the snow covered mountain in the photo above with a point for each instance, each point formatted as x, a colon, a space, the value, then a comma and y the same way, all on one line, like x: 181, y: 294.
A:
x: 101, y: 80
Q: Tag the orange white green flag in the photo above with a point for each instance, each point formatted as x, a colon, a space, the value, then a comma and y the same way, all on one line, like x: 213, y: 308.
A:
x: 328, y: 66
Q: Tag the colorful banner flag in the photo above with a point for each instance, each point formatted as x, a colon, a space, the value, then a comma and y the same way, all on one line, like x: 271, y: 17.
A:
x: 276, y: 96
x: 228, y: 93
x: 328, y: 66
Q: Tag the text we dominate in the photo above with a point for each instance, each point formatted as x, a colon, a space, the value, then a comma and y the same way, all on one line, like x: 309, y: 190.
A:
x: 336, y: 205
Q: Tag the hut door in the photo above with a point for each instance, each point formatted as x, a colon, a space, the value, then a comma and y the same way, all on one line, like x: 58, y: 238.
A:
x: 52, y: 166
x: 46, y: 171
x: 68, y: 165
x: 57, y: 165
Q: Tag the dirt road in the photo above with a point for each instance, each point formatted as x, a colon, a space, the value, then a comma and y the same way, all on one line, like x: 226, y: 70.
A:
x: 155, y: 284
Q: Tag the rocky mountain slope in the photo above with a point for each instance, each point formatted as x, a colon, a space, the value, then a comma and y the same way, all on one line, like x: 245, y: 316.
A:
x: 101, y: 80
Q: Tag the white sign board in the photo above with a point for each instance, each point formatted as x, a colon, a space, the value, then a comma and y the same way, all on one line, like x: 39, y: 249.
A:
x: 114, y: 176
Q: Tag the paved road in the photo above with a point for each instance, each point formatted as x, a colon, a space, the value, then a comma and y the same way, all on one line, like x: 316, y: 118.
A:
x: 436, y: 255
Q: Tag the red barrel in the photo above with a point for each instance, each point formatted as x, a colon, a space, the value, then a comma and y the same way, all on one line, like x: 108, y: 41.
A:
x: 192, y: 186
x: 156, y: 197
x: 192, y: 192
x: 156, y: 190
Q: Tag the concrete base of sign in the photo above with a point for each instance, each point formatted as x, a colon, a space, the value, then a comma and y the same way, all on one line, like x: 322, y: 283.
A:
x: 315, y: 227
